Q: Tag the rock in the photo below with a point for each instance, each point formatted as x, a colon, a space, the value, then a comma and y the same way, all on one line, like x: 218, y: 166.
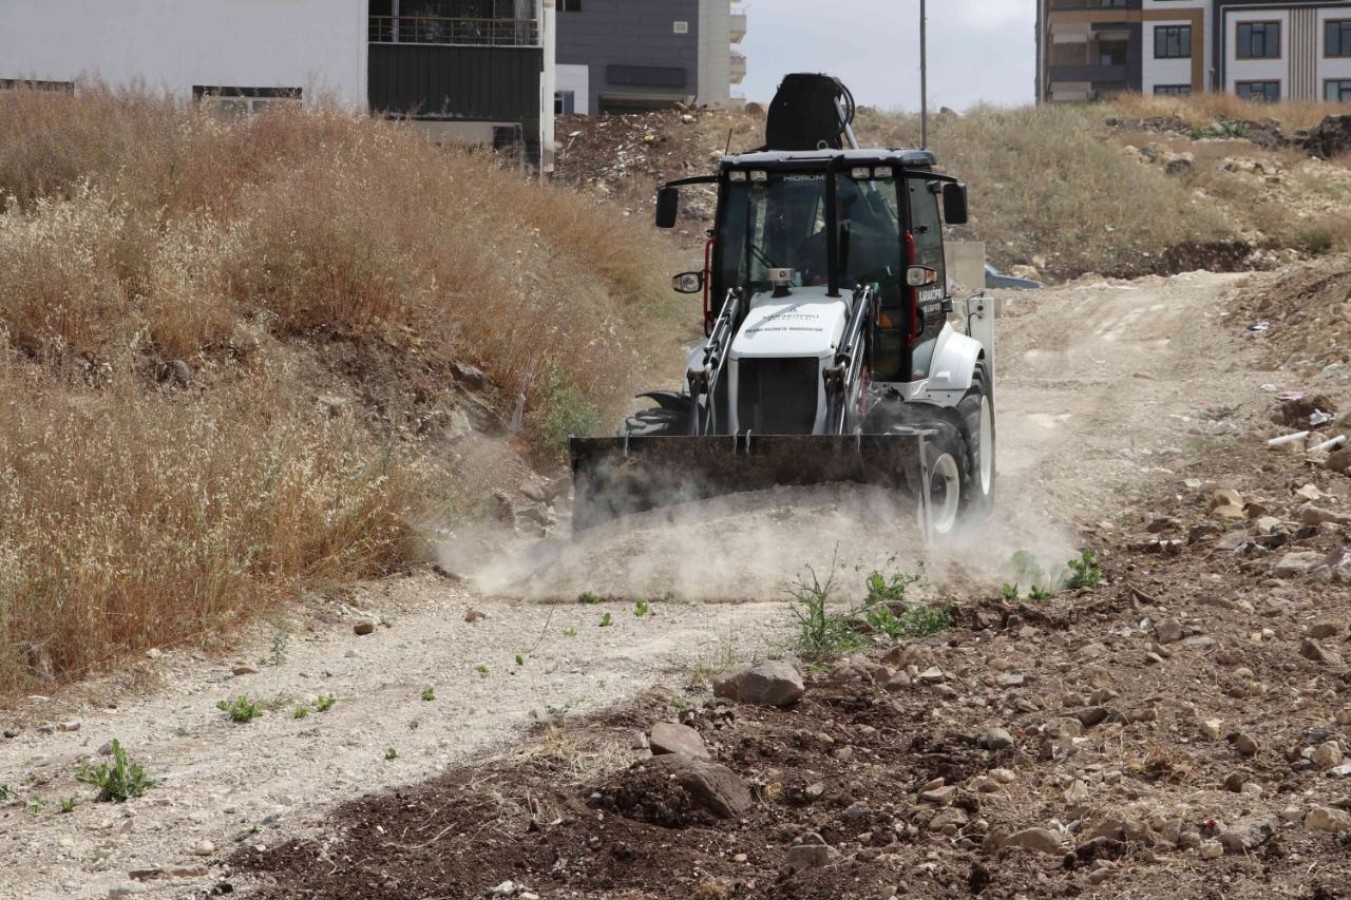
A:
x: 68, y: 726
x: 154, y: 653
x: 1323, y: 630
x: 951, y: 817
x: 668, y: 737
x: 1339, y: 460
x: 1042, y: 840
x: 1181, y: 164
x: 810, y: 856
x: 532, y: 491
x: 1211, y: 850
x: 713, y: 787
x: 768, y: 684
x: 1211, y: 729
x: 203, y: 848
x: 814, y: 791
x: 938, y: 795
x: 1295, y: 564
x: 331, y: 406
x: 125, y: 889
x: 240, y: 671
x: 1327, y: 755
x: 1004, y: 776
x: 1245, y: 745
x: 1248, y: 834
x: 1311, y: 649
x: 995, y: 739
x: 474, y: 616
x: 1077, y: 793
x: 1322, y: 818
x: 1169, y: 631
x: 1313, y: 515
x: 365, y: 626
x: 1093, y: 715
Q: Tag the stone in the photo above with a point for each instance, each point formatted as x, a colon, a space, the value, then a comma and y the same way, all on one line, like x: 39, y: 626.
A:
x: 203, y: 848
x: 1168, y: 631
x: 1311, y: 649
x: 810, y: 856
x: 1322, y: 818
x: 713, y: 787
x: 1211, y: 850
x: 1245, y: 745
x: 668, y: 737
x: 1004, y: 776
x: 773, y: 683
x: 1339, y: 460
x: 1293, y: 565
x: 1248, y: 834
x: 1321, y: 631
x: 1041, y: 840
x: 951, y: 817
x: 1327, y: 755
x: 1077, y: 793
x: 815, y: 791
x: 365, y: 626
x: 1093, y: 715
x: 125, y: 889
x: 995, y: 739
x: 240, y: 671
x: 474, y: 616
x: 1211, y: 729
x: 939, y: 795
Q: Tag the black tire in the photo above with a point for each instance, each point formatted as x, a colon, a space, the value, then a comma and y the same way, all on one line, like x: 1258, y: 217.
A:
x: 656, y: 422
x: 945, y: 475
x: 976, y: 410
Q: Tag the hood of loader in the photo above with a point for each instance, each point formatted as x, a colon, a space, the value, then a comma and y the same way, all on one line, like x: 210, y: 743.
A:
x: 805, y: 323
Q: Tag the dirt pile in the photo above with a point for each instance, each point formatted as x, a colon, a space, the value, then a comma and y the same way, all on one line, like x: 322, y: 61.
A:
x: 1302, y: 316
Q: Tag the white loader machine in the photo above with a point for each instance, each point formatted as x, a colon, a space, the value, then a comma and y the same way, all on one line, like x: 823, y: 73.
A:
x: 829, y: 355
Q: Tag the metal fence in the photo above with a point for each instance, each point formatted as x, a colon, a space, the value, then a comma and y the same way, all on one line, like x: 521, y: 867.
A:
x: 460, y: 31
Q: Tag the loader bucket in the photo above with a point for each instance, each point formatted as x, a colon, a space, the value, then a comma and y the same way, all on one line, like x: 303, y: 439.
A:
x: 614, y: 477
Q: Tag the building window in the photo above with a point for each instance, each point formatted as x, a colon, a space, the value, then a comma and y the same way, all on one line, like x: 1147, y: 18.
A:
x: 569, y: 5
x: 1259, y: 40
x: 28, y: 84
x: 1173, y: 90
x: 565, y: 103
x: 682, y: 28
x: 1270, y: 91
x: 1173, y: 42
x: 241, y: 101
x: 1338, y: 91
x: 1337, y: 37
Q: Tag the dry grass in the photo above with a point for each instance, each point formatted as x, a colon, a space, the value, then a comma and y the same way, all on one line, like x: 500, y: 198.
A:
x: 1203, y: 110
x: 136, y: 231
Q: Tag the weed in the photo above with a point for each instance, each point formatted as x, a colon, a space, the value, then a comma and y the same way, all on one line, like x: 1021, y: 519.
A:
x: 677, y: 704
x: 884, y: 590
x: 589, y: 598
x: 4, y: 792
x: 242, y: 709
x: 819, y: 631
x: 916, y: 621
x: 1037, y: 592
x: 606, y: 620
x: 567, y: 411
x: 1008, y: 591
x: 569, y: 632
x: 36, y: 805
x: 482, y: 670
x: 280, y: 639
x: 1084, y: 571
x: 300, y: 712
x: 68, y: 804
x: 119, y: 782
x: 520, y: 659
x: 564, y: 708
x: 325, y: 702
x: 641, y: 608
x: 391, y: 753
x: 428, y: 694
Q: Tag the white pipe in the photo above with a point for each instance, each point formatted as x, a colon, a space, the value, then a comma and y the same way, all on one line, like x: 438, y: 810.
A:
x: 1329, y: 446
x: 1288, y: 439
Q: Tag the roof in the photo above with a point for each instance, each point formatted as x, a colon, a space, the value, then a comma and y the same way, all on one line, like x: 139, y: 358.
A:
x: 809, y: 158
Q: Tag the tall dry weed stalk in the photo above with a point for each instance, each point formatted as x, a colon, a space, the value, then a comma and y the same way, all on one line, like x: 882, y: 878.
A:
x: 135, y: 230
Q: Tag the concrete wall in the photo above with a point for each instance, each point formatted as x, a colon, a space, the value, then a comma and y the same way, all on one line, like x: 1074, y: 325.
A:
x: 577, y: 79
x: 171, y: 45
x: 715, y: 52
x: 633, y: 35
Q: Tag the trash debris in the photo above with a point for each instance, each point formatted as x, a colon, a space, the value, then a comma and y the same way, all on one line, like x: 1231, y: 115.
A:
x: 1329, y: 446
x: 1318, y: 417
x: 1260, y: 327
x: 1285, y: 439
x: 1291, y: 395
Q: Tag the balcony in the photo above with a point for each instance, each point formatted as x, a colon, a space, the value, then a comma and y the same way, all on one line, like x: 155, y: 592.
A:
x: 738, y: 26
x: 1088, y: 74
x: 738, y: 70
x: 1057, y: 5
x: 454, y: 32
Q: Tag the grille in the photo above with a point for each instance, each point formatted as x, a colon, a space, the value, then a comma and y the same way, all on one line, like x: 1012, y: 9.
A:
x: 777, y: 396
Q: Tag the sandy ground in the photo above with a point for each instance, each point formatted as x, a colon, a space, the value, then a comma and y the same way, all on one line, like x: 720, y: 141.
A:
x: 1096, y: 384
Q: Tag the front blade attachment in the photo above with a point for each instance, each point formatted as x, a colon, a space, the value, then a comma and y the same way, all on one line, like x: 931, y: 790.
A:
x: 614, y: 477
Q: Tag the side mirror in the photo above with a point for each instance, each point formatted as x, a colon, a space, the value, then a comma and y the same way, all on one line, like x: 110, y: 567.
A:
x: 954, y: 203
x: 688, y: 283
x: 919, y: 276
x: 668, y: 205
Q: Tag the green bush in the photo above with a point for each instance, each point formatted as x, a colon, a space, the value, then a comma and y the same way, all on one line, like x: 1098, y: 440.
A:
x: 119, y: 782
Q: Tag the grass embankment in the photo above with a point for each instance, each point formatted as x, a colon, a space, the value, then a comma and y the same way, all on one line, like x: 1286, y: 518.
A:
x: 271, y: 255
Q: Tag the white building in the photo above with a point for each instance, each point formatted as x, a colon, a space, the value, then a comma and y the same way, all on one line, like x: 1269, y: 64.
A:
x: 471, y: 69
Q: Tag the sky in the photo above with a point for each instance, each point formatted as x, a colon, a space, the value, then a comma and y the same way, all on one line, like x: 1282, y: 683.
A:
x: 979, y: 50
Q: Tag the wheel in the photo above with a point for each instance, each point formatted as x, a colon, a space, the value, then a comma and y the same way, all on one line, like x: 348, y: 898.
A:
x: 944, y: 476
x: 656, y: 422
x: 978, y: 435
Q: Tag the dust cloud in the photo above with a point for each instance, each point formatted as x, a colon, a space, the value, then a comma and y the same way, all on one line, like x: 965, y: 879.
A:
x: 753, y: 546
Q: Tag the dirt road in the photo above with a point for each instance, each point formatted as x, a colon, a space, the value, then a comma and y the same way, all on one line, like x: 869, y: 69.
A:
x: 1102, y: 388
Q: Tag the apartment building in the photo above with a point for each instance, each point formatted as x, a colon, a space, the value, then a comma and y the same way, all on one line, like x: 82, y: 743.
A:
x: 477, y: 71
x: 631, y: 55
x: 1263, y: 49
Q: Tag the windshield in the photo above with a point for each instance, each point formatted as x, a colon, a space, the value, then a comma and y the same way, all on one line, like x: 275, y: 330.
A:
x: 782, y: 222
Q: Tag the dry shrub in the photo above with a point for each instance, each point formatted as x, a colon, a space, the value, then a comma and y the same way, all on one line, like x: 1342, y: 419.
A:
x: 131, y: 518
x: 136, y: 230
x: 1204, y: 110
